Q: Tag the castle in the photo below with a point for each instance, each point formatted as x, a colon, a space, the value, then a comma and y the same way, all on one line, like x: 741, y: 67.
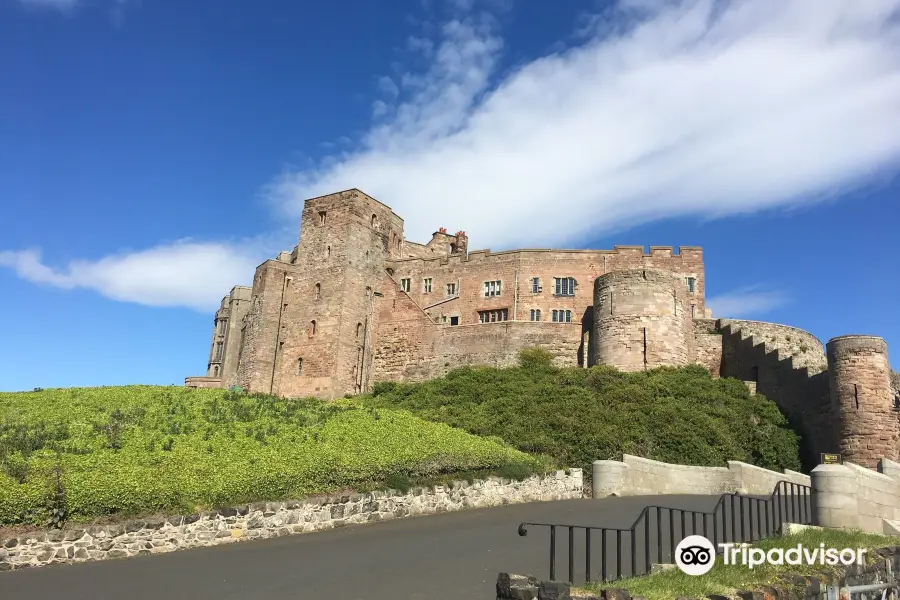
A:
x: 356, y: 303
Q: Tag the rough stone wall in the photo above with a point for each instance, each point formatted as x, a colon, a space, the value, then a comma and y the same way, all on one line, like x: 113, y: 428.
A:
x: 803, y: 398
x: 202, y: 382
x: 515, y: 270
x: 895, y: 385
x: 804, y: 349
x: 275, y: 519
x: 859, y: 376
x: 641, y: 320
x: 238, y: 307
x: 708, y: 345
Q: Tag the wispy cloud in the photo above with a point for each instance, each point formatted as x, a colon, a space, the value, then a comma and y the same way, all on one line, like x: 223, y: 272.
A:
x: 694, y: 108
x: 184, y: 273
x: 667, y: 109
x: 746, y: 302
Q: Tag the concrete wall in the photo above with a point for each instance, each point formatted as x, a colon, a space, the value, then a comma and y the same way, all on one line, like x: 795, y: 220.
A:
x: 850, y: 496
x: 634, y: 476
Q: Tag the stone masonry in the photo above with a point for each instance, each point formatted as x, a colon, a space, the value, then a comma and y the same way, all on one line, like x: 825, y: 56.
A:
x: 355, y: 303
x: 274, y: 519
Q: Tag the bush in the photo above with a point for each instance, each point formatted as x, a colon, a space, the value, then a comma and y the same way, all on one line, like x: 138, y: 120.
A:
x: 576, y: 415
x: 84, y: 453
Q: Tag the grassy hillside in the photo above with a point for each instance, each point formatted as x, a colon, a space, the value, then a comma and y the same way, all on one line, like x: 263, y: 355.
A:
x: 579, y: 415
x: 82, y: 453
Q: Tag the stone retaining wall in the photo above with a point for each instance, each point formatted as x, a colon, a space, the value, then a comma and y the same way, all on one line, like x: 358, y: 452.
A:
x: 273, y: 519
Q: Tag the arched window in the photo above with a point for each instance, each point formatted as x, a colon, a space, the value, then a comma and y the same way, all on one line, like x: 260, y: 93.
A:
x: 368, y: 292
x: 216, y: 371
x: 328, y: 252
x: 318, y: 291
x: 374, y: 221
x: 358, y: 330
x: 299, y: 366
x: 312, y: 328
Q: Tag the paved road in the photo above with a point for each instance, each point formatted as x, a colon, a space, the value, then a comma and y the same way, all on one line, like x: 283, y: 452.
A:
x: 443, y: 557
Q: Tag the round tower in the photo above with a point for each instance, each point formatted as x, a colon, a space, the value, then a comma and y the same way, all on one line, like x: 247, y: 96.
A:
x: 642, y: 320
x: 859, y: 377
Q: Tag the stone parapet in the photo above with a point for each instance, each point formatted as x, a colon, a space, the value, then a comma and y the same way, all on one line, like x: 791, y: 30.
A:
x: 274, y: 519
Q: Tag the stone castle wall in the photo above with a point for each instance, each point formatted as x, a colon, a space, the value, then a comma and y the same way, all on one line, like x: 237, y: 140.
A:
x: 642, y: 320
x: 860, y: 385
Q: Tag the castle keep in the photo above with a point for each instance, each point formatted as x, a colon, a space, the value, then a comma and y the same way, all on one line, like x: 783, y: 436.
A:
x: 355, y: 303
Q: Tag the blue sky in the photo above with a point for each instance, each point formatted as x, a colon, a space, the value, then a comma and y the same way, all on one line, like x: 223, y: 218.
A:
x: 153, y: 153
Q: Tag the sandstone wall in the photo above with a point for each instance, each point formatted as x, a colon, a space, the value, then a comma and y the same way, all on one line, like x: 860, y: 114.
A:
x: 634, y: 476
x: 642, y: 320
x: 803, y: 398
x: 804, y: 349
x: 202, y: 382
x: 708, y: 345
x: 515, y: 269
x: 859, y: 376
x: 274, y: 519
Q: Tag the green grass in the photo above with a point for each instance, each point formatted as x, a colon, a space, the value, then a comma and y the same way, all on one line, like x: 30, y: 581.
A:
x: 83, y: 453
x: 729, y: 579
x: 578, y: 415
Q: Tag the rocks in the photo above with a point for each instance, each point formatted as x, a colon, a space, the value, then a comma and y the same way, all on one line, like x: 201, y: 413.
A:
x: 273, y: 519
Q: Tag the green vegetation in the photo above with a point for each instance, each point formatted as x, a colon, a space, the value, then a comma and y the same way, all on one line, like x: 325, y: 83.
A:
x: 726, y: 580
x: 579, y: 415
x: 73, y: 454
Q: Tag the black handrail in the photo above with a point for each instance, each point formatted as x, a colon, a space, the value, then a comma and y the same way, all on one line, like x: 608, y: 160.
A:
x: 782, y: 511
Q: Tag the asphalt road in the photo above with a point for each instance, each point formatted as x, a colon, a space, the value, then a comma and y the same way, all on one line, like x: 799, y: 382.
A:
x: 451, y: 556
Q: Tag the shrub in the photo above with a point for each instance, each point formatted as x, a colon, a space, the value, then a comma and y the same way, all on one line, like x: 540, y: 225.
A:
x: 576, y: 415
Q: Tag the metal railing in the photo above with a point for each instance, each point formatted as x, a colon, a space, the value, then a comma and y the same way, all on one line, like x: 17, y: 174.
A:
x: 734, y: 519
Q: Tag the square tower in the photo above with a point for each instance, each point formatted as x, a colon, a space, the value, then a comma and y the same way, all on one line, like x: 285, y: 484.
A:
x: 310, y: 325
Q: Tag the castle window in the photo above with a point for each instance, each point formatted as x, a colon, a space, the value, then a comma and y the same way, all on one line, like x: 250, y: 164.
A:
x: 451, y: 289
x: 405, y: 284
x: 322, y: 215
x: 493, y: 316
x: 328, y: 252
x: 562, y: 316
x: 691, y: 284
x: 318, y: 291
x: 535, y: 285
x: 312, y: 328
x: 535, y: 314
x: 299, y: 366
x: 563, y: 286
x: 452, y: 248
x: 426, y: 284
x: 358, y: 330
x: 454, y: 321
x: 693, y: 310
x: 368, y: 292
x: 374, y: 221
x: 491, y: 289
x: 216, y: 371
x: 219, y: 347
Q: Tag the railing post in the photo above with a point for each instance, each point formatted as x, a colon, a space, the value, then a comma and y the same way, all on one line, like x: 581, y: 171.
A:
x: 587, y: 554
x: 647, y: 540
x: 572, y: 555
x: 603, y: 554
x: 553, y: 553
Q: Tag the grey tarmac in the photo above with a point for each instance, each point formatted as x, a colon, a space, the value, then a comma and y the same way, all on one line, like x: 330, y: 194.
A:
x: 451, y: 556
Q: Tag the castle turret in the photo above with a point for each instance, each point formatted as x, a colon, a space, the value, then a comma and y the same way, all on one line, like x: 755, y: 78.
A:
x: 859, y: 378
x: 642, y: 320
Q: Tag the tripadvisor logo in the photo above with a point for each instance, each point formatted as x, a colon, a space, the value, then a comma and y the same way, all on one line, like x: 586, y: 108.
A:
x: 696, y: 555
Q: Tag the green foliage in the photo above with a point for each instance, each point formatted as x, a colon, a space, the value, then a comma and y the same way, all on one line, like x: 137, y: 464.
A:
x: 87, y: 452
x: 576, y: 416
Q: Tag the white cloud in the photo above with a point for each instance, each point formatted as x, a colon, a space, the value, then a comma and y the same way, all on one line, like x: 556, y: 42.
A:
x: 696, y: 108
x: 664, y: 109
x: 746, y: 302
x: 184, y: 273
